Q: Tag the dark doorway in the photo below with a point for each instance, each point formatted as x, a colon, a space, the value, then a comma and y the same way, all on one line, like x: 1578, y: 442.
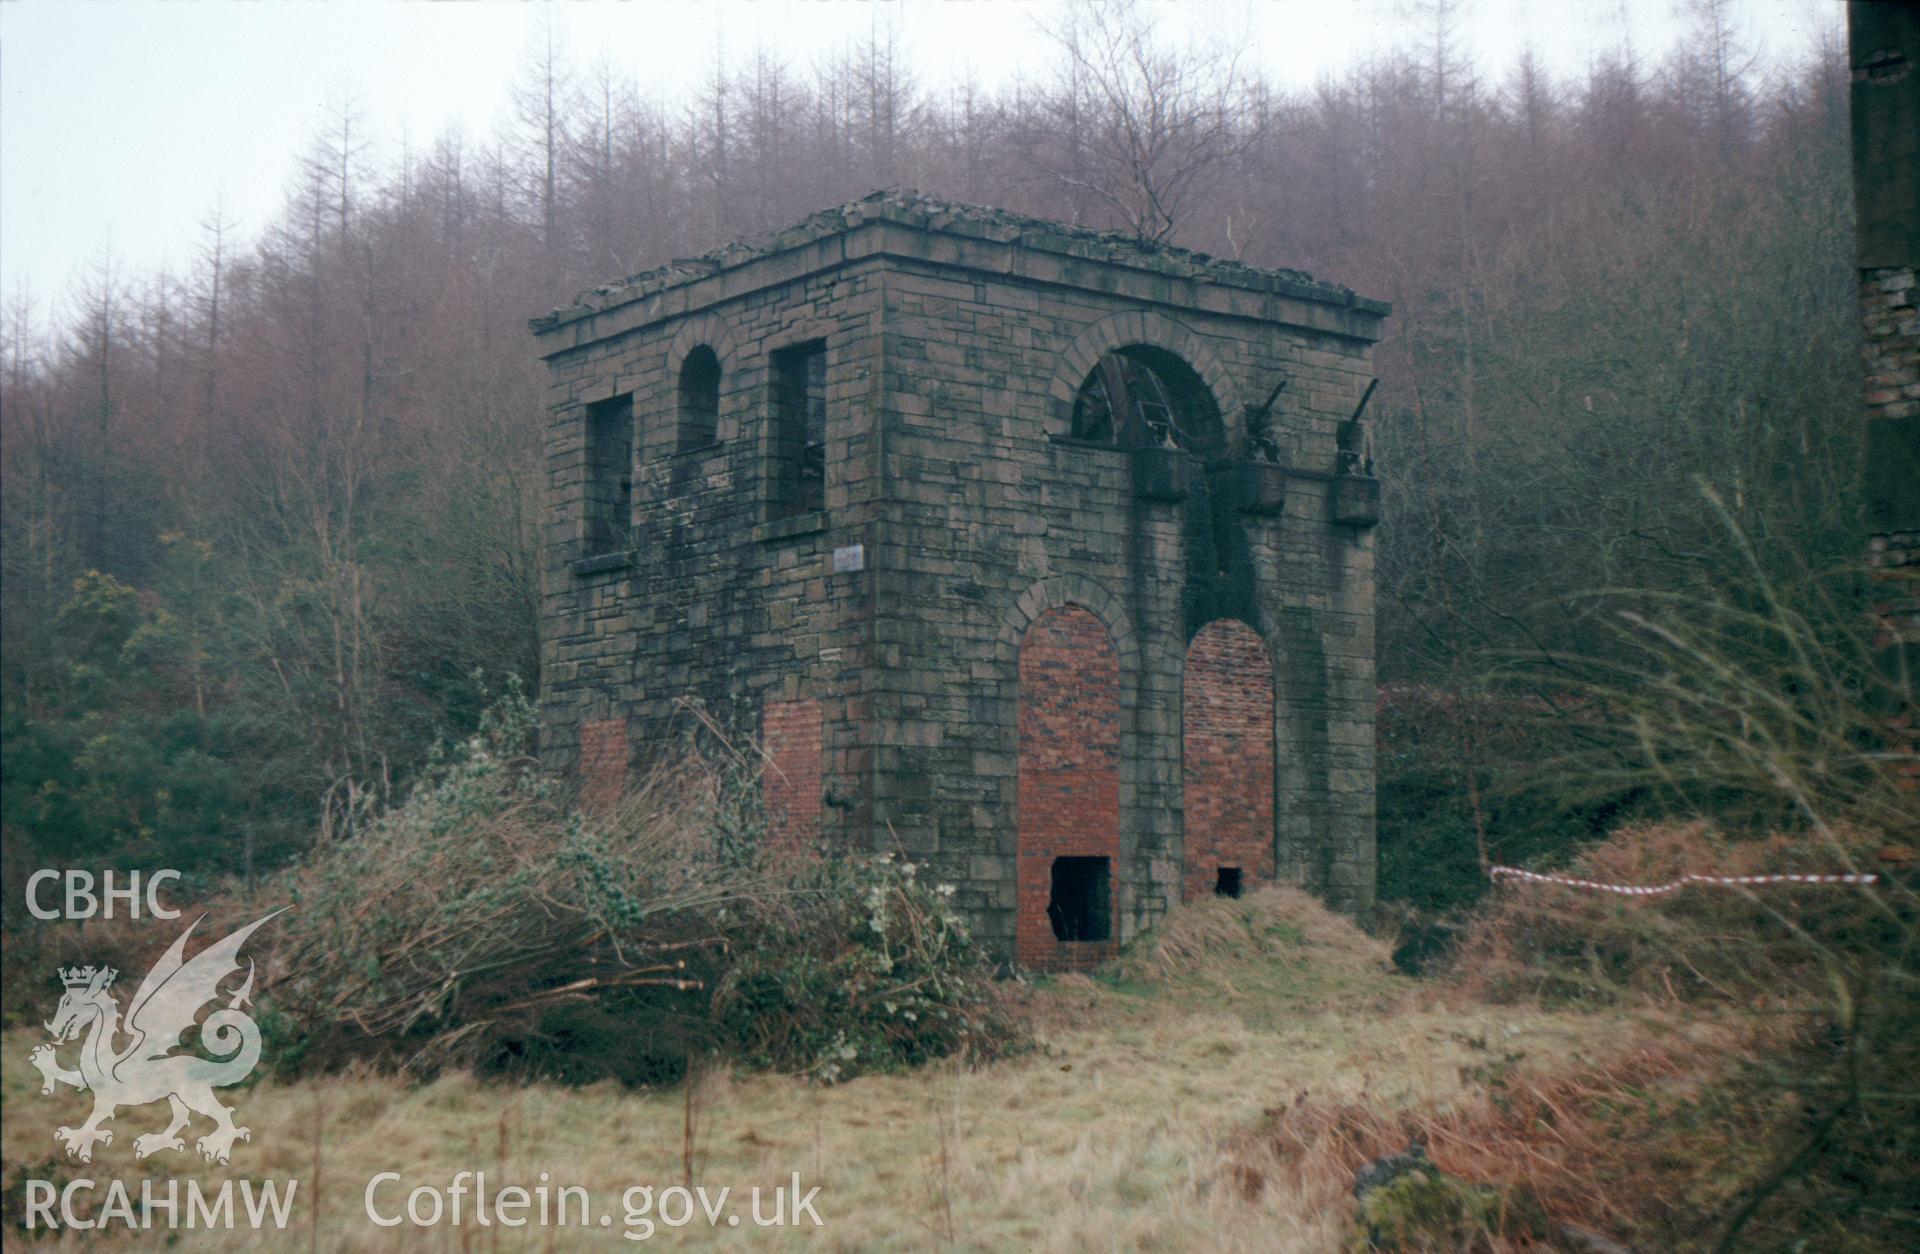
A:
x: 1227, y: 882
x: 1078, y: 908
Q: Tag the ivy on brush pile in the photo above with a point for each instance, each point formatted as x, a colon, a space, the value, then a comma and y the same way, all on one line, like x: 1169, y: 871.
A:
x: 877, y: 972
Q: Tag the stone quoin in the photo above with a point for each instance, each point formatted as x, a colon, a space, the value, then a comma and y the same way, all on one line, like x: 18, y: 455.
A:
x: 1036, y: 554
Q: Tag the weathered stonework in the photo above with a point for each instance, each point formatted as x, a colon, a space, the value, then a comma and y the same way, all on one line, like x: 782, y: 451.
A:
x: 1884, y: 55
x: 958, y: 517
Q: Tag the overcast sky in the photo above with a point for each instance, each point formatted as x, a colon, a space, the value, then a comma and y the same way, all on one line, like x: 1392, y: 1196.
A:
x: 122, y: 122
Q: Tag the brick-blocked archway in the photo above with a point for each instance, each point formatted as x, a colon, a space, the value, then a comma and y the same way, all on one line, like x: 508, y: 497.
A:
x: 1226, y: 728
x: 792, y: 782
x: 603, y: 763
x: 1068, y: 785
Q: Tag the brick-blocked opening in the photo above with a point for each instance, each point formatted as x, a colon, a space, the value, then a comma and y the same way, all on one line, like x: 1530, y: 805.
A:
x: 1226, y: 726
x: 1068, y: 784
x: 603, y: 762
x: 792, y: 783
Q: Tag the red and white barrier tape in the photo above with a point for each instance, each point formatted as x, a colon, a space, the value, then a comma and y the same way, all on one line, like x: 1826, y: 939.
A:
x: 1655, y: 890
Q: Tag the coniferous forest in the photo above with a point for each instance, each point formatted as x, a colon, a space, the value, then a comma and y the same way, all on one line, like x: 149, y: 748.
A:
x: 270, y: 519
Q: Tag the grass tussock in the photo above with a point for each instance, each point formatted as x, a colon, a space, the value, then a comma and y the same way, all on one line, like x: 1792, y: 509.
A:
x: 1270, y: 924
x: 1757, y: 946
x: 1801, y: 1127
x: 1635, y: 1148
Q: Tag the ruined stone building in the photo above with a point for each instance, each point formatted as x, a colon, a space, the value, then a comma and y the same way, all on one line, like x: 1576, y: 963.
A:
x: 1036, y: 554
x: 1884, y: 54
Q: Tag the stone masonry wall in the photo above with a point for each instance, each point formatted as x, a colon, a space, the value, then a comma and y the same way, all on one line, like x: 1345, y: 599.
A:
x: 717, y: 607
x: 1890, y: 348
x: 996, y: 515
x: 959, y: 514
x: 1883, y: 52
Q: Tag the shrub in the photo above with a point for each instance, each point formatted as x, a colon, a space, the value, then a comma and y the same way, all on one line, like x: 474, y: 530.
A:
x: 873, y: 971
x: 484, y: 922
x: 34, y: 954
x: 134, y: 747
x: 446, y: 930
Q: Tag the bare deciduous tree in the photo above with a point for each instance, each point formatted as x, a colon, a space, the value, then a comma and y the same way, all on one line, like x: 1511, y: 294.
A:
x: 1147, y: 129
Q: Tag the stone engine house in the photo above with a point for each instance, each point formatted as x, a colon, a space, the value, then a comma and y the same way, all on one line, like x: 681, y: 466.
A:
x: 1039, y: 555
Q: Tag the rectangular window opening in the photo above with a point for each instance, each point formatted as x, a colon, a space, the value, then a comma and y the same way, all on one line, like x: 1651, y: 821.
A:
x: 1227, y: 882
x: 800, y: 429
x: 609, y: 483
x: 1079, y: 908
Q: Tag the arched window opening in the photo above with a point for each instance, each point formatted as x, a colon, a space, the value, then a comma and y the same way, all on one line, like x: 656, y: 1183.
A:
x: 699, y: 399
x: 1140, y: 396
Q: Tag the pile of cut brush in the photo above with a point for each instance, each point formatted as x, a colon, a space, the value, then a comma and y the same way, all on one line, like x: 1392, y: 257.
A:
x: 444, y: 932
x: 487, y: 923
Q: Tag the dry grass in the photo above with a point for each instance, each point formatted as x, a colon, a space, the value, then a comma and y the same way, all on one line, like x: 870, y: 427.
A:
x: 1736, y: 946
x: 1282, y: 925
x: 1808, y: 1111
x: 1129, y: 1129
x: 1633, y: 1147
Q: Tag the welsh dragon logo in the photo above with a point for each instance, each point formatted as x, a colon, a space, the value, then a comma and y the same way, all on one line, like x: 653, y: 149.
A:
x: 146, y: 1069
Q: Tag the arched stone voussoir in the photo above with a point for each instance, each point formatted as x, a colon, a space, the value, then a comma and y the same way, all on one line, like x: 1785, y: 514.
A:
x: 1146, y: 327
x: 1052, y: 593
x: 709, y: 329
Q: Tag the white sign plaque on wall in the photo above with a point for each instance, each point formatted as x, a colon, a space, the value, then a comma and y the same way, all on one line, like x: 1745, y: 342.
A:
x: 851, y: 558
